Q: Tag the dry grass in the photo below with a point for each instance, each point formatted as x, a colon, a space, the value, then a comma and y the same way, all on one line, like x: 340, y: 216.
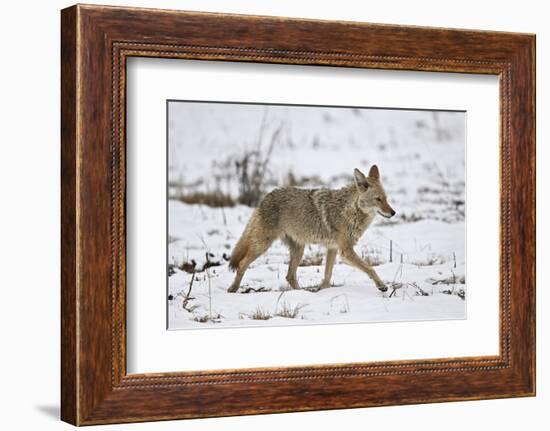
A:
x: 303, y: 181
x: 205, y: 318
x: 453, y: 279
x: 215, y: 199
x: 261, y: 314
x: 432, y: 259
x: 373, y: 257
x: 409, y: 217
x: 289, y: 311
x: 313, y: 259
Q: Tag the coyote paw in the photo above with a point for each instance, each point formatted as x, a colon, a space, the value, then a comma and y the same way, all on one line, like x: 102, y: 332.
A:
x: 293, y: 283
x: 232, y: 289
x: 382, y: 287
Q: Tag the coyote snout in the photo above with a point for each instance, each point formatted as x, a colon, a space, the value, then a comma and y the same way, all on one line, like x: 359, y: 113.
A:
x: 333, y: 218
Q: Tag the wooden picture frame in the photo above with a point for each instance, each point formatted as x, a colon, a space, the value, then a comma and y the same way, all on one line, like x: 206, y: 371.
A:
x: 95, y: 43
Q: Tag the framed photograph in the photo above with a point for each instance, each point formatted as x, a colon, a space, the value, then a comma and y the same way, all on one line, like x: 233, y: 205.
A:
x: 324, y: 214
x: 282, y: 198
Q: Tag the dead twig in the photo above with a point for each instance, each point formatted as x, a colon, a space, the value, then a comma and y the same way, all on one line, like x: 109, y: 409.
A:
x: 259, y: 289
x: 421, y: 292
x: 188, y: 297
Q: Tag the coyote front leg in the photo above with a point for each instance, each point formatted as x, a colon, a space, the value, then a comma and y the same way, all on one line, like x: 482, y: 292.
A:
x: 349, y: 255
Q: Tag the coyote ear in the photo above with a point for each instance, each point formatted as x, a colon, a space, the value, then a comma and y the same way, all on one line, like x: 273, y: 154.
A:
x: 374, y: 173
x: 360, y: 179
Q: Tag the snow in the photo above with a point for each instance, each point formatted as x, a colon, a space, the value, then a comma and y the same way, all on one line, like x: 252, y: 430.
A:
x: 421, y: 159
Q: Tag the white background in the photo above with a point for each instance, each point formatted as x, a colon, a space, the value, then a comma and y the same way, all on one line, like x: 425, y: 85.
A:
x: 152, y: 349
x: 29, y: 223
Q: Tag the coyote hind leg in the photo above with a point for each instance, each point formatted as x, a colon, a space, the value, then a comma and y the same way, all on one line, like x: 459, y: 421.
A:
x: 252, y: 254
x: 296, y: 252
x: 329, y: 265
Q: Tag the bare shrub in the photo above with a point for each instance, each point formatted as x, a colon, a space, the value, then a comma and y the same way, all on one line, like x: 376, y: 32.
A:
x: 252, y: 166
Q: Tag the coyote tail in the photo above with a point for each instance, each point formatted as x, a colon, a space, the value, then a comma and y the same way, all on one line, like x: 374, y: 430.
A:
x: 240, y: 250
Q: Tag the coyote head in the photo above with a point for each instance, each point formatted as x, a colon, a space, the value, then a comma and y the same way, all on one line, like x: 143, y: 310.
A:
x: 372, y: 196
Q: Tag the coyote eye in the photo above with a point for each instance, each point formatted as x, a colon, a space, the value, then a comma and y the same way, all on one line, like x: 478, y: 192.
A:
x: 379, y: 199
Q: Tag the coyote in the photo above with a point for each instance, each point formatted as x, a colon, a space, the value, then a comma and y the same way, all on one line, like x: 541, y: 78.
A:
x: 333, y: 218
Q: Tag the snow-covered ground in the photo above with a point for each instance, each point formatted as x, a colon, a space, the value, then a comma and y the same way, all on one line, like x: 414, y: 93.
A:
x: 421, y: 159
